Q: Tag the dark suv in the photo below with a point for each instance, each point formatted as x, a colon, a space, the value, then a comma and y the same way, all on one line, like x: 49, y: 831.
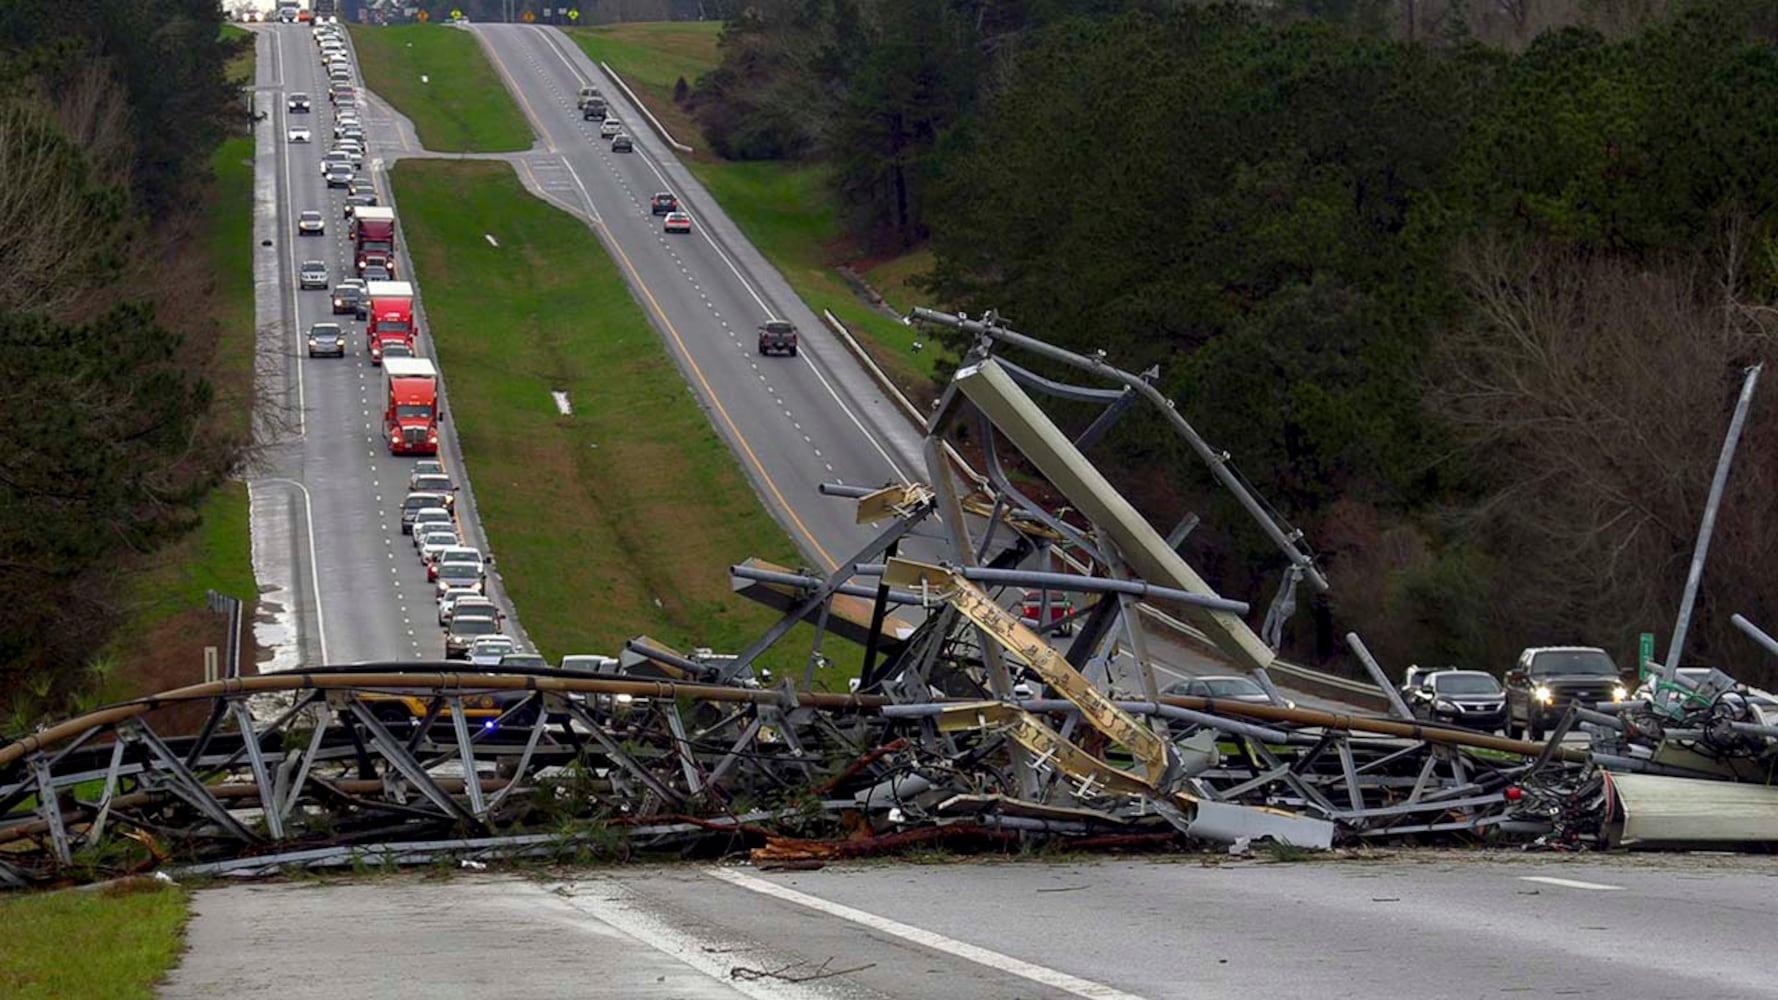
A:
x: 1548, y: 679
x: 777, y: 337
x: 662, y: 203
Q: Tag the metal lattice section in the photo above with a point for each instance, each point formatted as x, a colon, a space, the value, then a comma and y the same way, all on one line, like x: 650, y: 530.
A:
x: 1003, y: 692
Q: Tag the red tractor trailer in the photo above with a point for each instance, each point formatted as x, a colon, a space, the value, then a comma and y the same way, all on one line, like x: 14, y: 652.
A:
x: 373, y: 235
x: 410, y: 417
x: 389, y: 317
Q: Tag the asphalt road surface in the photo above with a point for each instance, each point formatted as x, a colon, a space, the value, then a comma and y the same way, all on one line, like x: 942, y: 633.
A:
x: 345, y: 583
x: 340, y: 581
x: 793, y: 422
x: 1431, y: 925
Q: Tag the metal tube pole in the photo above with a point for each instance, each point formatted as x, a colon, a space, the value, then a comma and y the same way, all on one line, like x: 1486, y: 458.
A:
x: 1216, y: 460
x: 896, y: 595
x: 1039, y: 579
x: 879, y: 610
x: 1397, y: 707
x: 1756, y: 633
x: 1695, y: 574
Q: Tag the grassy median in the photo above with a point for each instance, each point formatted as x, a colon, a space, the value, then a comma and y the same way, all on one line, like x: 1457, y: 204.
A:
x: 623, y: 517
x: 440, y: 79
x: 786, y: 209
x: 115, y: 942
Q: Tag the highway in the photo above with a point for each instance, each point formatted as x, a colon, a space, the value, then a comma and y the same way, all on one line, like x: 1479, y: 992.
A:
x: 793, y: 422
x: 331, y: 554
x: 1419, y: 924
x: 328, y: 546
x: 327, y: 535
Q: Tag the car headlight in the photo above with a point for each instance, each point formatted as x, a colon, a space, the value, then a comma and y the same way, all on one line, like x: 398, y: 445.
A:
x: 623, y: 699
x: 1444, y: 705
x: 1543, y: 694
x: 1619, y: 692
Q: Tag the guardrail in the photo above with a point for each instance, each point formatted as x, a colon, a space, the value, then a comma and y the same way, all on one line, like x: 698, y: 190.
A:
x: 637, y: 101
x: 1306, y: 678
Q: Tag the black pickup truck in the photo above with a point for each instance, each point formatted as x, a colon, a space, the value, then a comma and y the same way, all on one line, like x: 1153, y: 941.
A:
x: 777, y: 337
x: 1546, y: 680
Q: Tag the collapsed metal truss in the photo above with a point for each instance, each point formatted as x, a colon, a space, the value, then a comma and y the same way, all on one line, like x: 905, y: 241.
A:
x: 971, y: 716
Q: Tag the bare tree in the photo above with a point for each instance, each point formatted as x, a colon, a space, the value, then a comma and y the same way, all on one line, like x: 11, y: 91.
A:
x: 1594, y: 390
x: 58, y: 216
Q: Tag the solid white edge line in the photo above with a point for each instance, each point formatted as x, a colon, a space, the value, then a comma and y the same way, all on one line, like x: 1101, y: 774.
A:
x: 1571, y: 883
x: 1039, y: 974
x: 314, y: 563
x: 847, y: 410
x: 615, y: 905
x: 554, y: 44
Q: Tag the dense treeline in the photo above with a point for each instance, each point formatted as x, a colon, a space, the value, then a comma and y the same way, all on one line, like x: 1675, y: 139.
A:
x: 1473, y: 315
x: 109, y: 113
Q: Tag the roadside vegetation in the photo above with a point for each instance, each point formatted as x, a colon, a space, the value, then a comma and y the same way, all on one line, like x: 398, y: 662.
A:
x: 440, y: 79
x: 623, y: 517
x: 1465, y: 289
x: 114, y: 942
x: 160, y: 643
x: 786, y: 208
x: 120, y: 335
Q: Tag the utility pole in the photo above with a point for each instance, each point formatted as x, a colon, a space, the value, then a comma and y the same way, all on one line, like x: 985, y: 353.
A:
x: 1676, y: 649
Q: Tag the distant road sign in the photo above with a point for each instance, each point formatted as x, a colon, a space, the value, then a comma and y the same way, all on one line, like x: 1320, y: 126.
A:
x: 527, y: 17
x: 456, y: 13
x: 574, y: 13
x: 421, y: 15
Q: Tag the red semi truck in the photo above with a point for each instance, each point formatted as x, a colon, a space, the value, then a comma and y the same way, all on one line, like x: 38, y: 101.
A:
x: 389, y: 317
x: 373, y: 233
x: 410, y: 416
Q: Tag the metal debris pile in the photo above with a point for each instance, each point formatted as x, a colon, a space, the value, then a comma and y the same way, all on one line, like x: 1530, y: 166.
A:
x: 1006, y: 695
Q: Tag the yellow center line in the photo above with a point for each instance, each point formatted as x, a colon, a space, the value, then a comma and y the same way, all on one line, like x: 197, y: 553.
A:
x: 710, y: 393
x: 513, y: 85
x: 673, y: 331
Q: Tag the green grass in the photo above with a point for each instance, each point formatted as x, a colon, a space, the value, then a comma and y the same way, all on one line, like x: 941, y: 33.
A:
x: 216, y: 556
x: 786, y: 209
x: 100, y: 943
x: 465, y: 108
x: 617, y: 520
x: 218, y: 553
x: 229, y: 239
x: 240, y: 68
x: 654, y: 54
x: 788, y: 213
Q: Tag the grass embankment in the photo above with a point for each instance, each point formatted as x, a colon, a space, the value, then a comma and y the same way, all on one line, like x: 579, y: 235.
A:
x: 786, y: 209
x: 115, y: 942
x: 463, y: 107
x: 621, y: 518
x: 161, y: 644
x: 218, y: 555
